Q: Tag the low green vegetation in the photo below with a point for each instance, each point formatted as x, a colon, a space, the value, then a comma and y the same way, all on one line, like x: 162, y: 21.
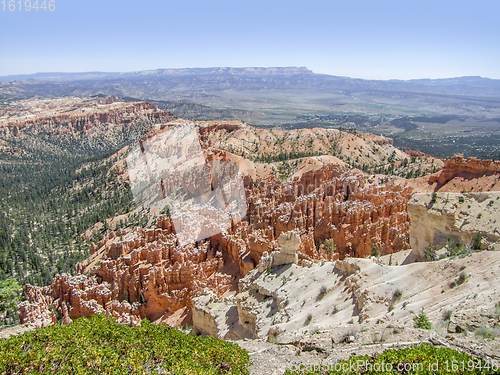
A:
x: 417, y: 359
x: 477, y: 241
x: 487, y: 332
x: 101, y: 346
x: 434, y: 197
x: 330, y: 248
x: 165, y: 211
x: 375, y: 250
x: 322, y: 293
x: 447, y: 314
x: 422, y: 321
x: 397, y: 295
x: 496, y: 311
x: 430, y: 254
x: 9, y: 294
x: 454, y: 248
x: 462, y: 278
x: 286, y: 169
x: 308, y: 319
x: 283, y: 156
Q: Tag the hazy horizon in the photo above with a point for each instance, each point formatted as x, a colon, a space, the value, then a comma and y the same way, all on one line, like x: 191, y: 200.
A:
x: 359, y: 39
x: 229, y: 67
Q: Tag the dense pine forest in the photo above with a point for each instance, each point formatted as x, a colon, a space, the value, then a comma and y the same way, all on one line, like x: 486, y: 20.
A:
x: 52, y: 190
x: 45, y: 209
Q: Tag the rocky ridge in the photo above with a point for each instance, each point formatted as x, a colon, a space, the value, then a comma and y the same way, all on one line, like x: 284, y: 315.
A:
x: 66, y: 115
x: 69, y: 127
x: 260, y: 144
x: 469, y: 168
x: 288, y: 302
x: 459, y: 174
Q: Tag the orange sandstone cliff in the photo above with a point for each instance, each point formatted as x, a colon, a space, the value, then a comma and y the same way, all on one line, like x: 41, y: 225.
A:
x: 459, y: 174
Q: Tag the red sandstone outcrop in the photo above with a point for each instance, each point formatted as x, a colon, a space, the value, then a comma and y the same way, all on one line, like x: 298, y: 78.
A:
x: 145, y: 276
x: 36, y: 309
x: 146, y: 273
x: 69, y: 115
x: 331, y: 203
x: 468, y: 168
x: 417, y: 154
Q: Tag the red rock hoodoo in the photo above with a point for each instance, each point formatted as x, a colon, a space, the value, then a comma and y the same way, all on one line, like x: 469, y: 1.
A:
x: 146, y: 273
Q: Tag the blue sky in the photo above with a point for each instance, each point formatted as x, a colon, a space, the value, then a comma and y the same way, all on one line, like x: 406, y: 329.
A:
x: 366, y: 39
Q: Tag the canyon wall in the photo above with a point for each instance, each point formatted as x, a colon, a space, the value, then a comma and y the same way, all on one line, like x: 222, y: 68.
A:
x: 74, y: 115
x: 468, y: 168
x: 147, y: 273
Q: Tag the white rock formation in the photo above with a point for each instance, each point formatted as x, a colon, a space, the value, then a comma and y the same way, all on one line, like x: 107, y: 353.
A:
x: 453, y: 215
x: 289, y: 243
x: 264, y: 262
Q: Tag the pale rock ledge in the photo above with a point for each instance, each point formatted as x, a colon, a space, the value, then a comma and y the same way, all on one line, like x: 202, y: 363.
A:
x: 437, y: 217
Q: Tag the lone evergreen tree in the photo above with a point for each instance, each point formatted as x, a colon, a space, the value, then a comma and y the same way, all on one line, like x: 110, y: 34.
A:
x: 375, y: 250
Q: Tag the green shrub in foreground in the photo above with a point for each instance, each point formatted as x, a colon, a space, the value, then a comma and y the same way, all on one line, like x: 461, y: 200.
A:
x: 418, y: 359
x: 98, y: 345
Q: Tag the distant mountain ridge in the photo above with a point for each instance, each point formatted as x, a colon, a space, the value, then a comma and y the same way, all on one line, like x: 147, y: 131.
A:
x: 475, y: 81
x: 274, y: 95
x: 314, y: 78
x: 61, y: 77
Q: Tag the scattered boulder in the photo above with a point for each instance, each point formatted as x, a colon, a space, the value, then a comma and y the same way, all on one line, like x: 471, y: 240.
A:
x: 463, y: 321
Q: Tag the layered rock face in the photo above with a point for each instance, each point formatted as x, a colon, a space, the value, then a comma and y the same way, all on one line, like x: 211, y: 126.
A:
x: 291, y: 301
x: 36, y: 309
x: 435, y: 218
x: 458, y: 175
x: 468, y: 168
x: 289, y: 243
x: 72, y: 115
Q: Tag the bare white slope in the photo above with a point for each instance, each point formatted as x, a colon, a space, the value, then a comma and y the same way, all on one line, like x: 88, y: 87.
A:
x: 295, y: 299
